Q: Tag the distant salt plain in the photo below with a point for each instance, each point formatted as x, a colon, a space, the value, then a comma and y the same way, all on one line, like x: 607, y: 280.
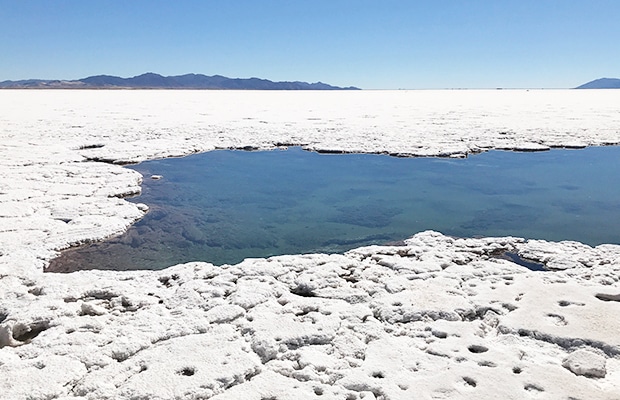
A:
x: 437, y: 318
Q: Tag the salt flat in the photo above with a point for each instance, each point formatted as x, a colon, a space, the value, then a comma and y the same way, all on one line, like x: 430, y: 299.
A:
x: 436, y: 318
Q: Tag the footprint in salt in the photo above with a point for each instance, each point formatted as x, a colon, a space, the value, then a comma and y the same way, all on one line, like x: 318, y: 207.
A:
x: 557, y: 319
x: 475, y: 348
x: 608, y: 297
x: 530, y: 387
x: 487, y: 363
x: 566, y: 303
x: 469, y: 381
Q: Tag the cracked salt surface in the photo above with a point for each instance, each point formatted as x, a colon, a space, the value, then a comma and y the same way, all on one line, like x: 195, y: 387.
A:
x: 438, y: 317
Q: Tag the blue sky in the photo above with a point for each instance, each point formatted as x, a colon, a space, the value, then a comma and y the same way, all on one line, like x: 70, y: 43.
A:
x: 380, y: 44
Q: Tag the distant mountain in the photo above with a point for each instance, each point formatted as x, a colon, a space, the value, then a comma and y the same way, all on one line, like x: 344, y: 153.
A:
x: 156, y: 81
x: 603, y: 83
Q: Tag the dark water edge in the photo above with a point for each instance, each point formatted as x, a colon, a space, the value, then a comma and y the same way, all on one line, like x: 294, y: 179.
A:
x: 224, y: 206
x: 524, y: 262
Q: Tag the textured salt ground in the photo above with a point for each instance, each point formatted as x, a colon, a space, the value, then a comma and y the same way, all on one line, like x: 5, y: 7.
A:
x: 436, y: 318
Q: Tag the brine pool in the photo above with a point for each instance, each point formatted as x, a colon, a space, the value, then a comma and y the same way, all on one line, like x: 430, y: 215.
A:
x: 223, y: 206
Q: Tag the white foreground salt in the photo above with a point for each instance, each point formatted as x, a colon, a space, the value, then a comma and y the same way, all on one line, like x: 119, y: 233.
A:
x: 436, y: 318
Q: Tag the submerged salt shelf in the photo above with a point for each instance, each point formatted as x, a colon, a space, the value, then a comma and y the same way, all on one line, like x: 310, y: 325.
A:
x: 435, y: 317
x: 225, y: 206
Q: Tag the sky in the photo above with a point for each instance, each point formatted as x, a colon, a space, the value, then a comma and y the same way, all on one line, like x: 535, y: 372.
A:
x: 378, y: 44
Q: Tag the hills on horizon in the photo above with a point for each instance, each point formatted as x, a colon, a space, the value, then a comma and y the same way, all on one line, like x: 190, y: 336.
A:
x: 602, y: 83
x: 152, y: 80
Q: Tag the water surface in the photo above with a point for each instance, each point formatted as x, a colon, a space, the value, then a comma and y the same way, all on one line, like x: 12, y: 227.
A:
x: 223, y: 206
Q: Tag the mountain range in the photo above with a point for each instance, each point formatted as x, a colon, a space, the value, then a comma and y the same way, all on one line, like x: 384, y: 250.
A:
x: 155, y: 81
x: 152, y: 80
x: 602, y: 83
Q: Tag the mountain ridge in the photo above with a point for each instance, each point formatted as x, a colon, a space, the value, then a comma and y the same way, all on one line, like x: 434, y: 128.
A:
x: 601, y: 83
x: 152, y: 80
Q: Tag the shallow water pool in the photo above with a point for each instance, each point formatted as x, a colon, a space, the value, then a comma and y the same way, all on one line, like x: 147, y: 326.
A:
x: 224, y: 206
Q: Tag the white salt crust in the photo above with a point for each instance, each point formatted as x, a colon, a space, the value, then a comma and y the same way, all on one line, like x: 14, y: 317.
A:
x: 436, y: 318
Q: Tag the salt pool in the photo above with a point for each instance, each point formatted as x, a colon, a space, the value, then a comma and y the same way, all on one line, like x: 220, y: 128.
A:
x: 224, y: 206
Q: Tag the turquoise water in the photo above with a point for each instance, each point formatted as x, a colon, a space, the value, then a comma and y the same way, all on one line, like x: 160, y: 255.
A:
x: 224, y: 206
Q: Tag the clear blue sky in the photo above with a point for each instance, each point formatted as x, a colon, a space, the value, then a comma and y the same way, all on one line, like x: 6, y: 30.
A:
x: 373, y: 44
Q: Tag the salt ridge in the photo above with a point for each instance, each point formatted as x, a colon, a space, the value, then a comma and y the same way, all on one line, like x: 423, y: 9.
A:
x: 436, y: 318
